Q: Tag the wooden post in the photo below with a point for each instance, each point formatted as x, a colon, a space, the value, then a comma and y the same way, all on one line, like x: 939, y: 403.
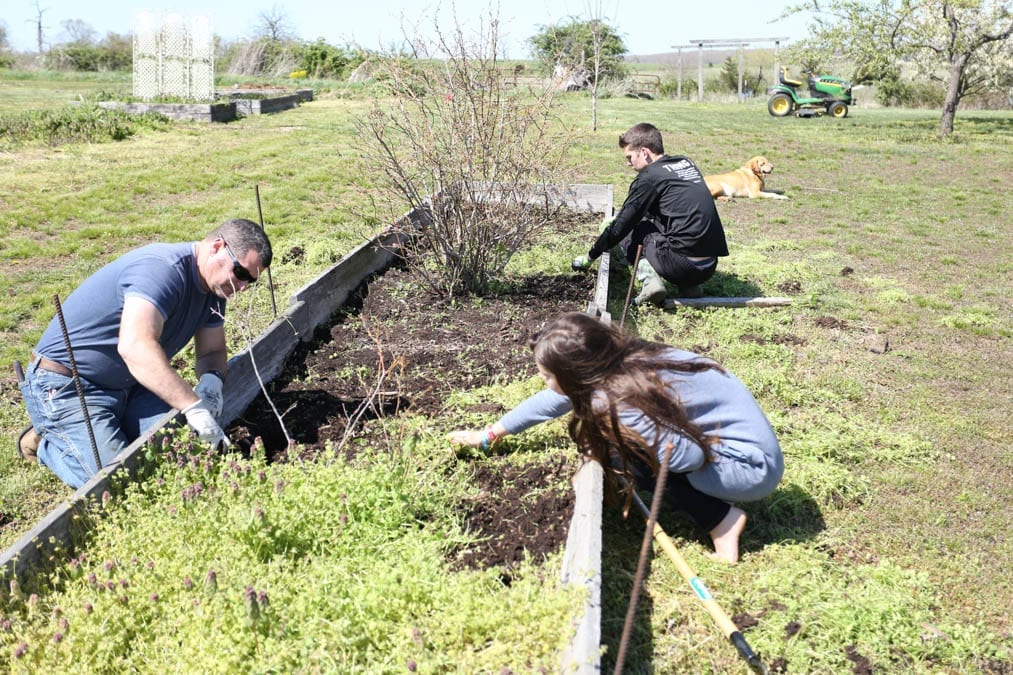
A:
x: 675, y: 303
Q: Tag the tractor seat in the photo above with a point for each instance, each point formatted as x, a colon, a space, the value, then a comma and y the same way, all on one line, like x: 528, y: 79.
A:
x: 786, y: 80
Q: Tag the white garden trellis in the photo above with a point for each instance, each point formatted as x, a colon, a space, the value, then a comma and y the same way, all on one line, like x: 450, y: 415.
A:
x: 173, y: 57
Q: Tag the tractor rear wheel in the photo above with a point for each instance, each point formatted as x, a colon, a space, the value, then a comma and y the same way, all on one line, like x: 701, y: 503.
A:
x: 837, y: 109
x: 780, y: 105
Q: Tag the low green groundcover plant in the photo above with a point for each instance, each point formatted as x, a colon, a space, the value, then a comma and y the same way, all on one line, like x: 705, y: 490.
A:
x: 76, y: 124
x: 223, y: 564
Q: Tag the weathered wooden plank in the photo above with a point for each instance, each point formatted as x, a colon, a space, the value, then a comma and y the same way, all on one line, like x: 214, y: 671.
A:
x: 261, y: 362
x: 330, y: 290
x: 24, y: 555
x: 582, y: 565
x: 675, y: 303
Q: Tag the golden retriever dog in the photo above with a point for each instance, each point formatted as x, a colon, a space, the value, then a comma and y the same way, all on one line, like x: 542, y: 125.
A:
x: 746, y: 181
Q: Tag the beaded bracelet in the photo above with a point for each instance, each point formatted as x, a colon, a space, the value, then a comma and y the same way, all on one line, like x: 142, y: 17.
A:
x: 490, y: 438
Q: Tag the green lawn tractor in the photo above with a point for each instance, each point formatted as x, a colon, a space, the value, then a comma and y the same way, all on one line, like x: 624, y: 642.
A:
x: 827, y: 94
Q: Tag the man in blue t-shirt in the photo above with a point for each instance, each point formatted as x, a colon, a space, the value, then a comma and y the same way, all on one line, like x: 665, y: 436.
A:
x: 124, y: 324
x: 670, y: 212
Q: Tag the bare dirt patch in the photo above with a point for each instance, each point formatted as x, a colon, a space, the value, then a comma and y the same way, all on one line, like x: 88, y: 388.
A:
x: 429, y: 348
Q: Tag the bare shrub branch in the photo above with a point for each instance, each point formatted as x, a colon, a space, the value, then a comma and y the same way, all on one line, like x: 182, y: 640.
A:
x: 454, y: 139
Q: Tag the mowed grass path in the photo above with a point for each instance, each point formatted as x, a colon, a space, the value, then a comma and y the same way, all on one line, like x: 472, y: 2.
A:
x: 893, y: 244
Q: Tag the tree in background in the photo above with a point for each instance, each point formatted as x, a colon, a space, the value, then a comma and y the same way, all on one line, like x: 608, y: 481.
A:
x: 591, y: 45
x: 275, y: 26
x: 6, y: 60
x: 80, y: 51
x: 39, y: 28
x: 964, y: 45
x: 729, y: 78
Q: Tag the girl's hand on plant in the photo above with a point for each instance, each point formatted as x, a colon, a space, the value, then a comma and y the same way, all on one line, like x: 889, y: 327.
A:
x: 472, y: 437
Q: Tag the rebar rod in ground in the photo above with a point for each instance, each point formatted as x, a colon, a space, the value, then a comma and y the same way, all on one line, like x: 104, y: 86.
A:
x: 270, y: 281
x: 77, y: 382
x: 633, y: 277
x: 645, y: 550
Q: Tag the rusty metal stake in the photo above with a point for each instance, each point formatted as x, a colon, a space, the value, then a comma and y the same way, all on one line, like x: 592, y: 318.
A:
x: 645, y: 554
x: 633, y: 277
x: 77, y: 381
x: 270, y: 281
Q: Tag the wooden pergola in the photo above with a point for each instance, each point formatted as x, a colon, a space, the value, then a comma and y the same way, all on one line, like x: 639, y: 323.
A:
x: 740, y: 44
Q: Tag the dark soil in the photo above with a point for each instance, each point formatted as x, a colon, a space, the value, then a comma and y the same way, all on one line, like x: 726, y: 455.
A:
x: 428, y: 348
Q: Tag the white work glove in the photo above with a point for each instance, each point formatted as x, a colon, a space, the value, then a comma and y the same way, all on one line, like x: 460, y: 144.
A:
x: 209, y: 388
x: 581, y: 263
x: 203, y: 422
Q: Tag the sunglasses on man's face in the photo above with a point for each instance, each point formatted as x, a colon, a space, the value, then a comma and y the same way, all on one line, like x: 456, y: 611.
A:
x: 241, y: 272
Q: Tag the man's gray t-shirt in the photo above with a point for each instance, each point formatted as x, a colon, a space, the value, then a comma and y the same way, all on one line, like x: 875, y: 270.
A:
x: 164, y: 275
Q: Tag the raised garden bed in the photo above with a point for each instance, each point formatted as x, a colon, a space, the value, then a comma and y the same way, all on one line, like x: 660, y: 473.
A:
x: 197, y: 112
x: 240, y: 102
x: 520, y: 509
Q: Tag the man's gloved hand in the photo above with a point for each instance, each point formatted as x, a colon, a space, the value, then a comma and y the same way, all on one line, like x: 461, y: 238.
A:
x: 580, y: 263
x: 209, y: 388
x: 203, y: 422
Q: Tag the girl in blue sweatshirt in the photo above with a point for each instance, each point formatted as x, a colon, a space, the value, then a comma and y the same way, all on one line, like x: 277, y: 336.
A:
x: 633, y: 401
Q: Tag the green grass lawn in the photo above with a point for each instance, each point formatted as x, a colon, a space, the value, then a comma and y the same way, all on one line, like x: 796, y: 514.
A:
x: 888, y: 540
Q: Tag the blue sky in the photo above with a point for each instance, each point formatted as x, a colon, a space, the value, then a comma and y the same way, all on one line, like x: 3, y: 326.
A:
x: 378, y: 24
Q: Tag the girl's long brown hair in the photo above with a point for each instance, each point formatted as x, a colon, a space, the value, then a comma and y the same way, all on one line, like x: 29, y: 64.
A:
x: 592, y: 360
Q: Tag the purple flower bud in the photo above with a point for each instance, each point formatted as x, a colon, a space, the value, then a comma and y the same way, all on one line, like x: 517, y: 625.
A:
x: 110, y: 565
x: 88, y: 609
x: 211, y: 582
x: 92, y: 579
x: 153, y: 597
x: 261, y: 476
x: 124, y: 583
x: 411, y: 666
x: 58, y: 637
x: 21, y: 650
x: 151, y: 564
x: 187, y: 583
x: 262, y: 599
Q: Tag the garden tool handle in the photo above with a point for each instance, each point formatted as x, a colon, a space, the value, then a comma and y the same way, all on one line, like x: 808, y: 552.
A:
x: 727, y: 626
x: 18, y: 371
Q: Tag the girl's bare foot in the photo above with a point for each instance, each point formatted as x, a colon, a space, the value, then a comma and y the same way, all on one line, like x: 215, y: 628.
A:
x: 726, y: 535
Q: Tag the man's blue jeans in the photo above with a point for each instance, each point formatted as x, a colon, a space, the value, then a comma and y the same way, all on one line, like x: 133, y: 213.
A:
x: 118, y: 416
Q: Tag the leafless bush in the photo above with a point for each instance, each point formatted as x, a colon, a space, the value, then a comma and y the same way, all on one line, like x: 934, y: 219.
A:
x: 456, y: 140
